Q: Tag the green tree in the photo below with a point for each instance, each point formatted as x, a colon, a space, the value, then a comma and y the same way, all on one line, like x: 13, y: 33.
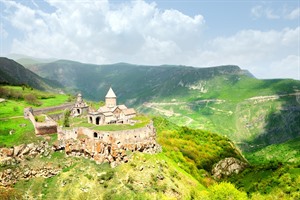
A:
x: 66, y: 122
x: 226, y: 191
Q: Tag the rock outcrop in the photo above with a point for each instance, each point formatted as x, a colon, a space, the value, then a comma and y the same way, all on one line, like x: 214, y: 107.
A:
x: 11, y: 159
x: 110, y: 152
x: 13, y: 156
x: 11, y: 176
x: 227, y: 167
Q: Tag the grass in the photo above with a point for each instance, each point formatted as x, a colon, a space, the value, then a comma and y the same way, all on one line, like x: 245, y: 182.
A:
x: 11, y: 108
x: 276, y: 180
x: 193, y: 150
x: 87, y: 180
x: 11, y: 116
x: 23, y: 132
x: 287, y: 152
x: 250, y: 124
x: 15, y: 107
x: 40, y: 118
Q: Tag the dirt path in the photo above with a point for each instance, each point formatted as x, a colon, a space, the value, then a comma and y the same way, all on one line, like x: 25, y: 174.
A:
x: 165, y: 112
x: 169, y: 113
x: 272, y: 97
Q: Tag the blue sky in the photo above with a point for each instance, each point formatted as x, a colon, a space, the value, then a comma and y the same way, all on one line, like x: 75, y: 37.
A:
x: 260, y: 36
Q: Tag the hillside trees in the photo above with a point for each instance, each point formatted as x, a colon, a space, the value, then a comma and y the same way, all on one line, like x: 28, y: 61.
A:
x: 195, y: 151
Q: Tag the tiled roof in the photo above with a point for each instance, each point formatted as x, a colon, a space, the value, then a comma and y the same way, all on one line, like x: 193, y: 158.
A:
x: 104, y: 109
x: 122, y: 107
x: 129, y: 111
x: 106, y: 114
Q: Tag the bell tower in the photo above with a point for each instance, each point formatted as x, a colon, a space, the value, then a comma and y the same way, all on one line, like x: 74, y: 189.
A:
x: 110, y: 99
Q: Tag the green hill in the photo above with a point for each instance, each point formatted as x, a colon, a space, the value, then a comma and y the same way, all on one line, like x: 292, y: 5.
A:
x: 287, y: 152
x: 253, y: 113
x: 13, y: 73
x: 180, y: 171
x: 134, y: 84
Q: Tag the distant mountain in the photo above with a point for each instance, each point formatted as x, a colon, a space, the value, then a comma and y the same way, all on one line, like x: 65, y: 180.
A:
x: 134, y: 84
x: 225, y: 99
x: 13, y: 73
x: 28, y: 60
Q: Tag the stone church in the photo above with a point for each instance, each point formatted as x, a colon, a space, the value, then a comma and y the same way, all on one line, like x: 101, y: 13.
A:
x: 111, y: 113
x: 80, y: 107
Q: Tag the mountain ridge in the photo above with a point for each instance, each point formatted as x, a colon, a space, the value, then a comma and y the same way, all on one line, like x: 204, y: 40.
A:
x: 16, y: 74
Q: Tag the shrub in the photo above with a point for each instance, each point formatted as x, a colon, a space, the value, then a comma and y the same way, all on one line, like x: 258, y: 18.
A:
x: 226, y: 191
x: 9, y: 193
x: 107, y: 176
x: 66, y: 122
x: 31, y: 99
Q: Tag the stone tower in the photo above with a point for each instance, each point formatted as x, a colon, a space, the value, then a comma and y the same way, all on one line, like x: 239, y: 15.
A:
x: 79, y: 98
x: 80, y: 107
x: 110, y: 99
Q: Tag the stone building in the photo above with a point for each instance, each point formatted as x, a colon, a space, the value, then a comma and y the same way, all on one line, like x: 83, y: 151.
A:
x: 80, y: 107
x: 111, y: 113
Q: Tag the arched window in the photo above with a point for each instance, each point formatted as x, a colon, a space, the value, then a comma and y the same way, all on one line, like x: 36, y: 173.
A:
x: 95, y: 135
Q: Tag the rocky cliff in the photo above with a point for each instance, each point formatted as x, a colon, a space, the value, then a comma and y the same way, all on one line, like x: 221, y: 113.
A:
x: 227, y: 167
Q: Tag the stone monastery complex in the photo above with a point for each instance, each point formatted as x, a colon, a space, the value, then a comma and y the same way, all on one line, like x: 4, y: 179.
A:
x: 94, y: 143
x: 110, y: 113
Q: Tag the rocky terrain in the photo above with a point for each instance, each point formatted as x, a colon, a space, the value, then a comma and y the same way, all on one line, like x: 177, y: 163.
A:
x: 13, y: 162
x: 227, y: 167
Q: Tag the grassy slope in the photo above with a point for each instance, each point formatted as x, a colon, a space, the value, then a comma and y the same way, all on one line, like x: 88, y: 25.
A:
x: 186, y: 152
x: 11, y: 116
x: 244, y: 122
x: 250, y: 124
x: 195, y: 151
x: 176, y: 173
x: 12, y: 107
x: 287, y: 152
x: 270, y: 181
x: 13, y: 73
x: 137, y: 179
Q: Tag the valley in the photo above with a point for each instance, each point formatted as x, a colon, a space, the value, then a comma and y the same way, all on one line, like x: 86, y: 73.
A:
x: 201, y: 117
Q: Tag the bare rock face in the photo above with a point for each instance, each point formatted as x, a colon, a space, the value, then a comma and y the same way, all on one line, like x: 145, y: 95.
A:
x: 110, y: 152
x: 13, y: 156
x: 227, y: 167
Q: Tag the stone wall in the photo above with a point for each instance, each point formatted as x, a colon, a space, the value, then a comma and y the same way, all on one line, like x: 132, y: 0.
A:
x: 109, y: 146
x: 52, y: 109
x: 43, y: 128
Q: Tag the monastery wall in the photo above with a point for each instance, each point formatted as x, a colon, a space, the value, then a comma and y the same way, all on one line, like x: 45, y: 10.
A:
x: 52, y: 109
x: 109, y: 146
x: 43, y: 128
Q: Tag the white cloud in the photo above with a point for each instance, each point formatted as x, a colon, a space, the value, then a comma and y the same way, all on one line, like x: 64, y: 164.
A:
x: 257, y: 11
x: 271, y: 15
x: 139, y: 32
x: 288, y: 67
x: 3, y: 32
x: 294, y: 14
x: 260, y: 52
x: 260, y: 11
x: 97, y: 29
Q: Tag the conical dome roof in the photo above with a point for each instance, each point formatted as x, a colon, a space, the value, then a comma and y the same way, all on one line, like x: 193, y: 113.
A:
x: 110, y: 94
